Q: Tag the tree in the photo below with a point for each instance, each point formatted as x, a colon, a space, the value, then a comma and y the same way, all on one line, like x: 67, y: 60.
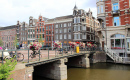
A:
x: 6, y: 68
x: 1, y: 42
x: 40, y: 39
x: 15, y: 42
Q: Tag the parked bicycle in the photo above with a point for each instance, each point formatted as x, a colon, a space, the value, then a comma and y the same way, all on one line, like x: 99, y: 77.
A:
x: 19, y: 56
x: 35, y: 55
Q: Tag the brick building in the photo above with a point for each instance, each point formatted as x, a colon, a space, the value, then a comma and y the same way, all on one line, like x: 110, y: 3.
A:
x: 22, y: 33
x: 114, y: 31
x: 7, y: 35
x: 49, y: 35
x: 39, y: 29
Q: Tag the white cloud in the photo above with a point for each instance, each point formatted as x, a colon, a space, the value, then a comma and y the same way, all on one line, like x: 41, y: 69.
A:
x: 13, y: 10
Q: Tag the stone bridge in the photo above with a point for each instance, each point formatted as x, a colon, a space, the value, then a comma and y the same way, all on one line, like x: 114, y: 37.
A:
x: 54, y: 68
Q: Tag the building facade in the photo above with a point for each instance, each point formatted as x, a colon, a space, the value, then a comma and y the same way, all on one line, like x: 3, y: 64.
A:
x: 63, y: 29
x: 84, y: 25
x: 39, y: 29
x: 8, y: 35
x: 22, y: 33
x: 31, y: 29
x: 114, y: 32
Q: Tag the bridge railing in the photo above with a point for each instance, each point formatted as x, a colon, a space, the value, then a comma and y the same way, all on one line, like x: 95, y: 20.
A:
x: 27, y: 55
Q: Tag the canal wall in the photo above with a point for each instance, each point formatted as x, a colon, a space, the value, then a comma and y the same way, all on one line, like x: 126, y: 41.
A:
x: 98, y: 56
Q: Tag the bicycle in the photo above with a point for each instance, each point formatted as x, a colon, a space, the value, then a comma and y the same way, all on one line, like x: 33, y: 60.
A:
x: 35, y: 55
x: 19, y: 56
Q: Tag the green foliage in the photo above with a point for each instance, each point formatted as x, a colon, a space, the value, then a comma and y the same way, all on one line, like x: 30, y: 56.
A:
x: 1, y: 42
x: 15, y: 42
x: 6, y: 68
x: 40, y: 39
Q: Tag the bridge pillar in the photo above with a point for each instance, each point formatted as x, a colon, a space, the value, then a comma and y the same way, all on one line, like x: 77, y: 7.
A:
x: 79, y: 61
x: 55, y: 70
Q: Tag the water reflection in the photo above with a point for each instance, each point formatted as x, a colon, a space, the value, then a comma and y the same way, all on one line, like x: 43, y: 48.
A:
x: 101, y: 71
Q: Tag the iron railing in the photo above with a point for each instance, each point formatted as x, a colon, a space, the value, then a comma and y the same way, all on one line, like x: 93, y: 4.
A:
x: 27, y: 56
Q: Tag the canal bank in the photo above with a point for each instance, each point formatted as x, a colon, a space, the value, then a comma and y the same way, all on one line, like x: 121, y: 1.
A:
x: 98, y: 71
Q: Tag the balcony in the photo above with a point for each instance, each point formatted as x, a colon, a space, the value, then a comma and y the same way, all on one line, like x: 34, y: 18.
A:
x: 116, y: 12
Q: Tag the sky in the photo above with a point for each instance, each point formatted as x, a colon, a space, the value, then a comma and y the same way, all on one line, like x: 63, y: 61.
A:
x: 13, y: 10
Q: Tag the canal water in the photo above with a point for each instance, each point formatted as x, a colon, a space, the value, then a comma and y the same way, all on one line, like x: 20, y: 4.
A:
x: 99, y: 71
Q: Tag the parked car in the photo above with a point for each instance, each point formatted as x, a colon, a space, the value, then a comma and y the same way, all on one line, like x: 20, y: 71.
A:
x: 45, y: 47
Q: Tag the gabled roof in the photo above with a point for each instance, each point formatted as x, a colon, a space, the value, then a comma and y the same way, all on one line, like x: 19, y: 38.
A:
x: 75, y: 7
x: 60, y: 18
x: 8, y: 27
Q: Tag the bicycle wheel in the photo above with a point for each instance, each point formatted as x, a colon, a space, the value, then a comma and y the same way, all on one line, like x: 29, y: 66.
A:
x: 37, y: 55
x: 20, y: 57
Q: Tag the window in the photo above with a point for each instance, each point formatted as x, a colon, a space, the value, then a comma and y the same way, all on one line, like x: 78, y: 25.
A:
x: 128, y: 44
x: 40, y: 24
x: 69, y: 36
x: 88, y: 37
x: 37, y: 36
x: 43, y: 29
x: 33, y: 30
x: 42, y: 35
x: 56, y: 36
x: 65, y: 30
x: 49, y: 38
x: 49, y: 27
x: 60, y: 30
x: 46, y: 38
x: 56, y: 25
x: 84, y: 27
x: 98, y: 10
x: 40, y: 29
x: 40, y: 19
x: 78, y: 36
x: 46, y: 32
x: 102, y: 9
x: 64, y: 36
x: 56, y: 30
x: 60, y: 25
x: 60, y: 36
x: 75, y: 28
x: 69, y: 29
x: 116, y: 21
x: 49, y: 32
x: 75, y: 36
x: 37, y: 30
x: 33, y: 35
x: 75, y: 20
x: 78, y: 27
x: 115, y: 6
x: 46, y: 27
x: 117, y: 41
x: 64, y: 24
x: 84, y: 36
x: 78, y: 19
